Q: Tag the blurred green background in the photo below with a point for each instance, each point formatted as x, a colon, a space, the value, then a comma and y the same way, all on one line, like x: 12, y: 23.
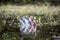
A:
x: 46, y: 12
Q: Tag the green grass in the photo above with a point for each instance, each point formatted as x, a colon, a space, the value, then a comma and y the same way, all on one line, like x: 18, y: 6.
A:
x: 41, y: 9
x: 26, y: 9
x: 46, y: 16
